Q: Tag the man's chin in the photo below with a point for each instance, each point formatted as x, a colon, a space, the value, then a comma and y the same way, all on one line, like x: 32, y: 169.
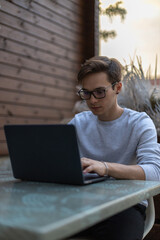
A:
x: 96, y: 112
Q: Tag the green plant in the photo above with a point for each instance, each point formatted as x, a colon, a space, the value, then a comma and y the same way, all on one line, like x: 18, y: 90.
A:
x: 138, y: 93
x: 111, y: 11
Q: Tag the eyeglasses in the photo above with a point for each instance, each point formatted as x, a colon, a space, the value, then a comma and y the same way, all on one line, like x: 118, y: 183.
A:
x: 98, y: 93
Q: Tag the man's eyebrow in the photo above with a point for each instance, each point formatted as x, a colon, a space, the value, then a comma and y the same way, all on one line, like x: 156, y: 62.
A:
x: 94, y: 88
x: 100, y: 88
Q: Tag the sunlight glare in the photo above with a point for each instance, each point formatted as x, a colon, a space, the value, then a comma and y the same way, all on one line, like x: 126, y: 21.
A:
x: 139, y: 34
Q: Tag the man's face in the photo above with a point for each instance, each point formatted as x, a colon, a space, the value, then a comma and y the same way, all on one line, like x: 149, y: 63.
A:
x: 105, y: 106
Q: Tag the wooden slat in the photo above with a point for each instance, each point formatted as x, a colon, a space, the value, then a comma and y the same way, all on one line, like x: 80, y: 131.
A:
x: 33, y: 48
x: 20, y: 73
x: 60, y: 10
x: 23, y: 62
x: 16, y: 120
x: 70, y: 6
x: 37, y: 101
x: 80, y: 3
x: 2, y: 135
x: 50, y: 47
x: 3, y: 148
x: 36, y: 89
x: 51, y: 14
x: 66, y: 51
x: 59, y: 7
x: 41, y: 25
x: 45, y: 37
x: 47, y: 42
x: 33, y: 112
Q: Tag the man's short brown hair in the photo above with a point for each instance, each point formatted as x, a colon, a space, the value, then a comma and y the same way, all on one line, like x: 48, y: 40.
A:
x: 110, y: 66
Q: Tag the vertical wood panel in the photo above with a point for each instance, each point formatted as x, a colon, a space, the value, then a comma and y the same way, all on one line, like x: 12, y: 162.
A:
x: 91, y: 30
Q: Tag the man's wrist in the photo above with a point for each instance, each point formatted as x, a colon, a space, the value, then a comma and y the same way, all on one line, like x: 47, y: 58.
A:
x: 106, y: 169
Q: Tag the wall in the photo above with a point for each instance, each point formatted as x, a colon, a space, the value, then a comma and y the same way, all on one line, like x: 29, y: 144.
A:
x: 42, y: 44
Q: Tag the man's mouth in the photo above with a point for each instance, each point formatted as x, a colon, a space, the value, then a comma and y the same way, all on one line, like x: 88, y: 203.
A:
x: 95, y: 107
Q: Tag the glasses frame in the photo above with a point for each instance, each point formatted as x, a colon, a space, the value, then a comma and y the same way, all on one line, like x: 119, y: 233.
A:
x: 92, y: 92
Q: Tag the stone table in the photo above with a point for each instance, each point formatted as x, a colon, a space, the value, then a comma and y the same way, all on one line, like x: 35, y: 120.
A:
x: 47, y: 211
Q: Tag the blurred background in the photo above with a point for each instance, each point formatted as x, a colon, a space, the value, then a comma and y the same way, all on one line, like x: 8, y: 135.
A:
x: 137, y: 34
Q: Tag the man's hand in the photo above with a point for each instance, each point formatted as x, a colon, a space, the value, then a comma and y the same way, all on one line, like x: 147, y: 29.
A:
x: 115, y: 170
x: 90, y: 165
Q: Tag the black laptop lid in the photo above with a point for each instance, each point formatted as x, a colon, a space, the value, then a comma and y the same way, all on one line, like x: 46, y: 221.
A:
x: 46, y: 153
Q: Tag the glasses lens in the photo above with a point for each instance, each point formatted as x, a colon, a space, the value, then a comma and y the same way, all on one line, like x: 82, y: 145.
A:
x: 84, y: 94
x: 99, y: 93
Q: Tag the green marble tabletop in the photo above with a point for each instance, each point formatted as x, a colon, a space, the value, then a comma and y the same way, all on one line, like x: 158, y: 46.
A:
x: 47, y: 211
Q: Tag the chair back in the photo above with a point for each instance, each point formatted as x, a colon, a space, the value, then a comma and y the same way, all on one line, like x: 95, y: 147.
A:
x: 150, y: 217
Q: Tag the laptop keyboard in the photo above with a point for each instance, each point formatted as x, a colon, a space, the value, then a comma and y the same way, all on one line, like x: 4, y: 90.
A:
x: 89, y: 176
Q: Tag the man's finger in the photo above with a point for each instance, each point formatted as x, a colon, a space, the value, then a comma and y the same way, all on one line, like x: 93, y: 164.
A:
x: 88, y: 169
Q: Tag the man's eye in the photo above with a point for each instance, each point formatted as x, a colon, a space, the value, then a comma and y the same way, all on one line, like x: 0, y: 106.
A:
x: 86, y: 92
x: 99, y: 91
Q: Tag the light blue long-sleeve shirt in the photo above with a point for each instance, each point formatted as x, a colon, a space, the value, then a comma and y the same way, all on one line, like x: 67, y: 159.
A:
x: 130, y: 139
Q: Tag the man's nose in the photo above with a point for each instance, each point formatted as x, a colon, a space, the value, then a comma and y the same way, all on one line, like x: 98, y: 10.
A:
x: 93, y: 99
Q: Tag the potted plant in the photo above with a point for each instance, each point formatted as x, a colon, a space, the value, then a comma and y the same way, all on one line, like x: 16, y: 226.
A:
x: 139, y: 94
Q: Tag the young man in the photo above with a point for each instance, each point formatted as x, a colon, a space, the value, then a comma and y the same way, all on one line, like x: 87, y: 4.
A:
x: 114, y: 141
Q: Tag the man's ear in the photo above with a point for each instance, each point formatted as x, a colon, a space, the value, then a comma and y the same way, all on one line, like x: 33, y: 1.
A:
x: 118, y: 87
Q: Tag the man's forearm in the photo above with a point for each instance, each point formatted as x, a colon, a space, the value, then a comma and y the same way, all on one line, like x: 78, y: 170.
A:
x: 116, y: 170
x: 121, y: 171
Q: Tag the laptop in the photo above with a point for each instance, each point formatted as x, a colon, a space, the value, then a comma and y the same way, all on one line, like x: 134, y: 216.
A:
x: 46, y: 153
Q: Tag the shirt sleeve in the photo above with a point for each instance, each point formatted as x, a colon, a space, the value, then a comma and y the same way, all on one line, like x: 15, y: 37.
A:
x: 72, y: 121
x: 148, y: 150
